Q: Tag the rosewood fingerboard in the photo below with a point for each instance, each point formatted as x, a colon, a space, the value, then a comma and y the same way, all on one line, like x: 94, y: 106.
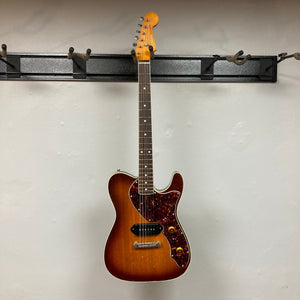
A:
x: 145, y: 182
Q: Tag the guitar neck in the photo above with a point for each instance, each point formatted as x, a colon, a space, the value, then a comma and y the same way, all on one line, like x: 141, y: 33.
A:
x: 145, y: 182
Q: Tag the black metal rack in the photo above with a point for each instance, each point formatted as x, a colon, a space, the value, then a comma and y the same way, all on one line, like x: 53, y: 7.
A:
x: 118, y: 68
x: 123, y: 68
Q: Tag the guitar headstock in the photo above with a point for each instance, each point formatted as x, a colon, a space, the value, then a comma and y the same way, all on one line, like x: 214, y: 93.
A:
x: 146, y: 37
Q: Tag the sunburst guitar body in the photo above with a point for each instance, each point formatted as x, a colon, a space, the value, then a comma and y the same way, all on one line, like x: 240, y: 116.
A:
x: 147, y: 242
x: 150, y: 246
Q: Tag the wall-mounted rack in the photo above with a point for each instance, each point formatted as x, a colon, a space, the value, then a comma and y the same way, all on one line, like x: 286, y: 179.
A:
x: 118, y: 68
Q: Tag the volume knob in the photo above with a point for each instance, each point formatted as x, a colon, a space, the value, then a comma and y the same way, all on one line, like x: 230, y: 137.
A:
x: 171, y: 229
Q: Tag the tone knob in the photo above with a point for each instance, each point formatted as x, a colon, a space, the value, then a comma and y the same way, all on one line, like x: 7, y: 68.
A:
x: 171, y: 229
x: 179, y: 251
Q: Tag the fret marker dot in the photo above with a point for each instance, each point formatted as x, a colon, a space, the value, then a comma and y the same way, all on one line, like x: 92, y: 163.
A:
x: 145, y: 105
x: 145, y: 166
x: 144, y: 87
x: 145, y: 175
x: 145, y: 121
x: 145, y: 182
x: 149, y: 151
x: 145, y: 134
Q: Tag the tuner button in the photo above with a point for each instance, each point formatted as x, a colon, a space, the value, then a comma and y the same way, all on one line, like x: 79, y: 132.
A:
x: 140, y: 25
x: 138, y: 31
x: 141, y: 18
x: 136, y: 37
x: 134, y: 44
x: 171, y: 229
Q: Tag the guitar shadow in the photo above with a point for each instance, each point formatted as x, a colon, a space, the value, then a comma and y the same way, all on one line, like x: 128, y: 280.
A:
x: 154, y: 290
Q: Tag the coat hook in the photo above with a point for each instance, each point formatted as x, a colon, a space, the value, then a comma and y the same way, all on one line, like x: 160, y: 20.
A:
x: 151, y: 52
x: 283, y: 56
x: 235, y: 58
x: 73, y: 54
x: 3, y: 53
x: 133, y: 54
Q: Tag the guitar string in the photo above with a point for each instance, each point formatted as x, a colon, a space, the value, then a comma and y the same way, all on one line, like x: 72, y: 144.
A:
x: 145, y: 154
x: 145, y: 107
x: 151, y: 145
x: 141, y: 152
x: 143, y: 149
x: 145, y: 139
x: 139, y: 189
x: 149, y: 137
x: 148, y: 128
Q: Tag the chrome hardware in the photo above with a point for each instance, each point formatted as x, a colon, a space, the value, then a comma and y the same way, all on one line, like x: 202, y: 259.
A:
x: 137, y: 245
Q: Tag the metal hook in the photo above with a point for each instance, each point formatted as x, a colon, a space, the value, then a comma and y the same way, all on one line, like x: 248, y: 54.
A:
x: 73, y: 54
x: 235, y: 58
x: 133, y: 54
x: 3, y: 53
x: 151, y: 52
x: 284, y: 56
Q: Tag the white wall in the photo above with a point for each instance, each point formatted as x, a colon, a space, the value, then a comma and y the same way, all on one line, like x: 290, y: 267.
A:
x: 237, y: 146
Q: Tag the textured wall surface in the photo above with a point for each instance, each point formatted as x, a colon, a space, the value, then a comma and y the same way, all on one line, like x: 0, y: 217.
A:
x: 237, y: 146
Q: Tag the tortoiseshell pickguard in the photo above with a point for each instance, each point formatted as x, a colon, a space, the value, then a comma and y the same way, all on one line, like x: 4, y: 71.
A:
x: 161, y: 208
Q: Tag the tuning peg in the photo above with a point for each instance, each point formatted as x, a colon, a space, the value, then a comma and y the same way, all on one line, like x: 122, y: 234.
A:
x: 136, y: 37
x: 138, y: 31
x: 140, y: 25
x: 134, y: 44
x: 141, y: 19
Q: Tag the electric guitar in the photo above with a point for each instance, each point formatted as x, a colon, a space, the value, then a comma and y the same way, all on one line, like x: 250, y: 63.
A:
x: 147, y: 242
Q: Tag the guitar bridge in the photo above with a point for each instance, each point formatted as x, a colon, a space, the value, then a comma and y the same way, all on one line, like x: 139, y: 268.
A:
x: 146, y: 245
